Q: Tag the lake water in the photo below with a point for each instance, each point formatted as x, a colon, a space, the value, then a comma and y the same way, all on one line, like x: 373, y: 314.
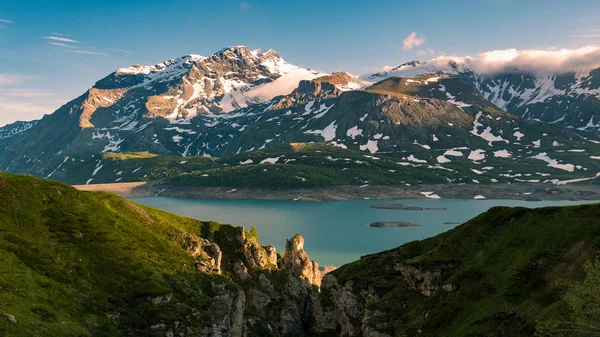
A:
x: 335, y: 232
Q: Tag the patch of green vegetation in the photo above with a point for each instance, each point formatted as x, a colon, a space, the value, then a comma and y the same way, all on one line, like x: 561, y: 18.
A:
x: 578, y: 314
x: 128, y: 155
x: 73, y: 262
x: 297, y: 176
x: 128, y: 167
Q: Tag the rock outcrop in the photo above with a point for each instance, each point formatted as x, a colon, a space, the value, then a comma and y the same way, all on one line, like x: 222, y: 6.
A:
x: 297, y: 264
x: 350, y: 307
x: 424, y: 282
x: 272, y: 297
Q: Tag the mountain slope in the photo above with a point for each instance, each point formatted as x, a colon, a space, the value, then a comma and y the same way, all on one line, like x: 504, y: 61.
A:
x: 494, y: 275
x: 143, y: 107
x: 10, y: 130
x: 94, y: 264
x: 238, y: 101
x: 440, y: 123
x: 569, y: 98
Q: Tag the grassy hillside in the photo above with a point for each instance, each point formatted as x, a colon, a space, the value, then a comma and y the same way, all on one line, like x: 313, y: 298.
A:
x: 313, y: 165
x: 507, y: 272
x: 93, y: 264
x: 297, y: 165
x: 72, y: 261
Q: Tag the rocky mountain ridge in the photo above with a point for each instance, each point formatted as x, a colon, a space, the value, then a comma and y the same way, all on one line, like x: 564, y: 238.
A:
x: 231, y: 103
x: 569, y: 98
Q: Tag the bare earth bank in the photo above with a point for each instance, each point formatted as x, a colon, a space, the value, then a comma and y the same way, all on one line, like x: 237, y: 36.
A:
x: 529, y: 191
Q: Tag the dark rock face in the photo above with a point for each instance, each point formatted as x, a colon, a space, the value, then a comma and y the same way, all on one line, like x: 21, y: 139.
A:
x: 424, y: 282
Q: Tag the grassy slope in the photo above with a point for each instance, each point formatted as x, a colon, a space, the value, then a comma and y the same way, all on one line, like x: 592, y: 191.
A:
x: 316, y: 165
x: 68, y: 258
x: 506, y: 263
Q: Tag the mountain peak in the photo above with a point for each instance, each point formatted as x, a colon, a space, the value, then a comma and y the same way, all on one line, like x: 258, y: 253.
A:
x: 414, y: 68
x: 233, y: 52
x: 233, y: 49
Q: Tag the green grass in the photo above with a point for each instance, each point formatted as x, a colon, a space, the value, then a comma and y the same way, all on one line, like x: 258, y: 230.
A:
x: 70, y: 258
x: 71, y: 261
x: 128, y: 155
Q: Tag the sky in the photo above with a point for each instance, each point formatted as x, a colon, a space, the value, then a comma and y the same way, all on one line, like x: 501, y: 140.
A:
x: 53, y: 51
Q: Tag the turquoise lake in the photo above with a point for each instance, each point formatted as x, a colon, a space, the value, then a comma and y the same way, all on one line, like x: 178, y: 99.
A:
x: 336, y: 232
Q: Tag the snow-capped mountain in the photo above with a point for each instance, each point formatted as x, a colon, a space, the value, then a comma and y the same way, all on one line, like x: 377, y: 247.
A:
x: 415, y: 68
x: 13, y: 129
x: 185, y: 87
x: 238, y: 101
x: 10, y: 130
x: 571, y: 98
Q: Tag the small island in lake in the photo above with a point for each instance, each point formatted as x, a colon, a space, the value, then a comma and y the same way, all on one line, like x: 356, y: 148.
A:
x: 409, y: 208
x: 452, y: 223
x: 392, y: 224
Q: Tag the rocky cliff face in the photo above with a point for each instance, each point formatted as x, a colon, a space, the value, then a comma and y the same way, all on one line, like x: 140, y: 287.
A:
x: 274, y: 296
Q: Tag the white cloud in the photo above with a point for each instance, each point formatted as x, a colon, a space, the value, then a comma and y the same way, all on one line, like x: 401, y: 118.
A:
x: 5, y: 21
x: 121, y: 51
x: 89, y: 52
x: 62, y: 44
x: 60, y: 39
x: 19, y: 103
x: 427, y: 51
x: 536, y: 61
x: 412, y: 40
x: 12, y: 79
x: 282, y: 85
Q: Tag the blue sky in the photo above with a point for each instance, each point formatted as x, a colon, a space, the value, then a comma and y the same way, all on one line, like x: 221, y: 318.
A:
x: 36, y: 76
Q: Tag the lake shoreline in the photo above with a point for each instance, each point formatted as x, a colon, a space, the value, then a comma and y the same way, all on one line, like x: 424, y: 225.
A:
x: 526, y: 191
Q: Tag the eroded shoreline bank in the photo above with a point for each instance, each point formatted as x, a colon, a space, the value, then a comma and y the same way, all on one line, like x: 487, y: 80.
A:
x: 530, y: 191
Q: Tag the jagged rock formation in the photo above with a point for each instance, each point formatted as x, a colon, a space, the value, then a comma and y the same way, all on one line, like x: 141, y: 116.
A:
x: 297, y: 263
x: 275, y: 296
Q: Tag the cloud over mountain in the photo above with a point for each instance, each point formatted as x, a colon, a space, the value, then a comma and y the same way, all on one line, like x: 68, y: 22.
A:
x: 412, y: 40
x: 535, y: 61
